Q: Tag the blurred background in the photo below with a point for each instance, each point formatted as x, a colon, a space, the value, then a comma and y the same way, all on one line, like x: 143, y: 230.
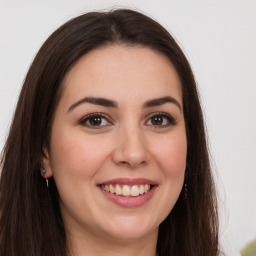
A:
x: 219, y: 39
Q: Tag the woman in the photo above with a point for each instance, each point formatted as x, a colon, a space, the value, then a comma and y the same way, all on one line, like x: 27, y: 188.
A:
x: 107, y: 152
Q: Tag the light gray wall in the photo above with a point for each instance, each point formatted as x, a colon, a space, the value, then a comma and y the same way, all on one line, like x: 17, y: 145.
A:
x: 219, y: 38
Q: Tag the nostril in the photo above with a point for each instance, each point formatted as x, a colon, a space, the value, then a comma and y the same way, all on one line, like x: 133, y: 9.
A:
x: 130, y: 157
x: 131, y: 164
x: 124, y: 163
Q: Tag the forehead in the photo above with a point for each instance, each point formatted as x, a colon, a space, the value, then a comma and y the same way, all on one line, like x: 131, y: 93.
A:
x: 122, y: 71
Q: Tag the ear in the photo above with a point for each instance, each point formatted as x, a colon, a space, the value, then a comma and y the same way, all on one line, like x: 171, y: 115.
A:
x: 46, y: 164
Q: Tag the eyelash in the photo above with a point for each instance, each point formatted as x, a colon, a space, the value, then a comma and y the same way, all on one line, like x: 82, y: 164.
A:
x: 168, y: 118
x: 170, y: 121
x: 89, y: 118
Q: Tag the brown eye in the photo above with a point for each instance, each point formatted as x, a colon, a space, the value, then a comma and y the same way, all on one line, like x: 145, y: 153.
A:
x: 157, y: 120
x: 94, y: 121
x: 161, y: 120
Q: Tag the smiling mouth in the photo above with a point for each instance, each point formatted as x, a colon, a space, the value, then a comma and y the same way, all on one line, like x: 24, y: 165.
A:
x: 127, y: 190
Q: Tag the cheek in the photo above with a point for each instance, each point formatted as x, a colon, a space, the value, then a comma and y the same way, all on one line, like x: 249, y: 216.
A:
x: 76, y: 155
x: 171, y: 155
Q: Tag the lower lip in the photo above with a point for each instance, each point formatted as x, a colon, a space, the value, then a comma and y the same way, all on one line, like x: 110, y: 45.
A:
x: 130, y: 201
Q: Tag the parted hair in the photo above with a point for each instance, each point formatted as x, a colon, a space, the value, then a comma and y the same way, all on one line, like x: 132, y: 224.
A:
x: 30, y: 219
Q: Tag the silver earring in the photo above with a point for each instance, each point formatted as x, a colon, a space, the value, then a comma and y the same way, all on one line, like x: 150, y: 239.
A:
x: 186, y: 191
x: 186, y: 185
x: 46, y: 178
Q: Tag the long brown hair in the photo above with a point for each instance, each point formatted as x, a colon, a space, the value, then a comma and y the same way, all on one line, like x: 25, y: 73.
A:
x: 30, y: 219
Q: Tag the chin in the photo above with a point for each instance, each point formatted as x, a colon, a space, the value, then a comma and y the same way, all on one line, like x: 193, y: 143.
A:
x: 131, y: 228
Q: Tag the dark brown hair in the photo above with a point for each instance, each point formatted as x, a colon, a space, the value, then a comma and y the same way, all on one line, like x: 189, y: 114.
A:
x: 30, y: 219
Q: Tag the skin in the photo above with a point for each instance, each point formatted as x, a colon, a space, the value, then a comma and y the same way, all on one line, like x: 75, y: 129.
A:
x: 126, y: 142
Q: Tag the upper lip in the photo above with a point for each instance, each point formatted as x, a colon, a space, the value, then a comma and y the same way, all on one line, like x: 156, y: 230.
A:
x: 128, y: 181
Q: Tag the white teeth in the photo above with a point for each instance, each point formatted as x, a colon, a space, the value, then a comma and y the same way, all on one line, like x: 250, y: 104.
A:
x: 111, y: 189
x: 135, y: 191
x: 118, y: 190
x: 147, y: 187
x: 126, y: 190
x: 142, y: 190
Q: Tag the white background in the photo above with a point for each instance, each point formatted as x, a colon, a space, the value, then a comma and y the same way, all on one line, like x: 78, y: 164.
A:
x: 219, y: 39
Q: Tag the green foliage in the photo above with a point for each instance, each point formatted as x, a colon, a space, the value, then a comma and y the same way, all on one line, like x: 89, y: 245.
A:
x: 249, y: 249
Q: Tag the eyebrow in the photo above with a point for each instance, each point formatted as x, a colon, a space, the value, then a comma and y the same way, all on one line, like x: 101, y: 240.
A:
x: 96, y: 101
x: 161, y: 101
x: 113, y: 104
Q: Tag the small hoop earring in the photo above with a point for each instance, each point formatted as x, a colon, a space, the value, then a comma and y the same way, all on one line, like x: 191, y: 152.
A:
x: 46, y: 178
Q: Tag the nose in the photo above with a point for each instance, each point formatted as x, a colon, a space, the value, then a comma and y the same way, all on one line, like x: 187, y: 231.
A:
x: 131, y: 149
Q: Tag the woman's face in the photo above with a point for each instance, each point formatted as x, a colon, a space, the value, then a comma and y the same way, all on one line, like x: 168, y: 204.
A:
x: 118, y: 143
